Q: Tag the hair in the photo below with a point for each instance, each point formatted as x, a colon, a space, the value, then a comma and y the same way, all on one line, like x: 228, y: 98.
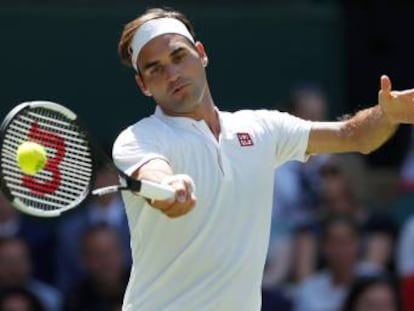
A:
x: 95, y: 229
x: 362, y: 284
x: 299, y: 91
x: 6, y: 240
x: 336, y: 219
x: 129, y: 30
x: 353, y: 168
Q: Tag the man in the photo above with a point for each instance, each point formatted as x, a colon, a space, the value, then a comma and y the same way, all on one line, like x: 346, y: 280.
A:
x: 106, y: 277
x: 107, y: 209
x: 340, y: 243
x: 16, y: 271
x: 205, y: 249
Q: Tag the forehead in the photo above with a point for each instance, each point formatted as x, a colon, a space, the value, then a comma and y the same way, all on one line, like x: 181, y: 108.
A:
x: 161, y: 45
x: 339, y: 229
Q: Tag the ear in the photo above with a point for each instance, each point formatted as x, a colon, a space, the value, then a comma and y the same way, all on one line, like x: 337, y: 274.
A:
x: 202, y: 52
x: 142, y: 85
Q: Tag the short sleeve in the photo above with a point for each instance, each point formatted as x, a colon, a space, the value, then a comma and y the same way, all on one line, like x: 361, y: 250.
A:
x: 290, y: 135
x: 134, y: 147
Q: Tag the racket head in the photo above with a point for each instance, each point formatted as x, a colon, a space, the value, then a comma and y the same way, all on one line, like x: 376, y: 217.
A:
x: 67, y: 179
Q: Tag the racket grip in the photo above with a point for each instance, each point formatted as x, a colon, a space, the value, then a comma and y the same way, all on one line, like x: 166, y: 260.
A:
x: 156, y: 191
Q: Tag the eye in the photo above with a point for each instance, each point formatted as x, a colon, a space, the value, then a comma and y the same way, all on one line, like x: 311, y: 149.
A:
x: 178, y: 57
x: 155, y: 70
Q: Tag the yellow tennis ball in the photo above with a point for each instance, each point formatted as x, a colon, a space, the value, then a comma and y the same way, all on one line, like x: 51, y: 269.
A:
x: 31, y: 157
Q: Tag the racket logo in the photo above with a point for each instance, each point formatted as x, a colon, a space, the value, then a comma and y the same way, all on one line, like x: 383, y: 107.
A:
x: 51, y: 140
x: 245, y: 140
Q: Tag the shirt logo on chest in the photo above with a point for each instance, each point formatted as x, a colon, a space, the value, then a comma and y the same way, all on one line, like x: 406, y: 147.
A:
x: 245, y: 140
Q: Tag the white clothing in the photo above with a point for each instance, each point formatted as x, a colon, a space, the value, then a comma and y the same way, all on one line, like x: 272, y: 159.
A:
x: 213, y: 257
x: 318, y: 293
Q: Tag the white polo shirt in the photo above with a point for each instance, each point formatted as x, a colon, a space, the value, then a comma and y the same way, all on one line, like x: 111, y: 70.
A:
x: 211, y: 259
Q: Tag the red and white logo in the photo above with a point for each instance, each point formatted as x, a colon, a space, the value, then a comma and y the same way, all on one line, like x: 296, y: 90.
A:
x: 244, y: 139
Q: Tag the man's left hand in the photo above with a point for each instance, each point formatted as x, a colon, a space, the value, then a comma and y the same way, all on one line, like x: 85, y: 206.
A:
x: 398, y: 106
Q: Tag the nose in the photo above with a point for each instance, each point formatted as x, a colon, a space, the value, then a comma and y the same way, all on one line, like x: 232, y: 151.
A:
x: 172, y: 72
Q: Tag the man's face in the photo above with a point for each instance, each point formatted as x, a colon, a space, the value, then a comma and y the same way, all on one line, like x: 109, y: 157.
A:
x: 14, y: 264
x: 378, y: 297
x: 340, y: 246
x: 103, y: 256
x: 172, y: 72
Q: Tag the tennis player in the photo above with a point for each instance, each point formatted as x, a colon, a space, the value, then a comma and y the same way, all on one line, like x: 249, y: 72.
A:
x: 205, y: 250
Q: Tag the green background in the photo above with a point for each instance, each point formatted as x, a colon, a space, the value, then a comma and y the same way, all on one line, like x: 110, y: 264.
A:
x: 257, y: 54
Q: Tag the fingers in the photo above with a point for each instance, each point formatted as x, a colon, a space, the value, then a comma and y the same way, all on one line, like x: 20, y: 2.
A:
x: 179, y: 209
x: 397, y: 106
x: 386, y: 84
x: 184, y: 200
x: 184, y: 187
x: 385, y: 95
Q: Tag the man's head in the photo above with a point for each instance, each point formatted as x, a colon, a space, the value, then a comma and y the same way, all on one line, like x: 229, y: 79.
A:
x: 102, y: 253
x: 15, y: 262
x: 308, y: 102
x: 170, y: 64
x: 340, y: 243
x: 7, y: 211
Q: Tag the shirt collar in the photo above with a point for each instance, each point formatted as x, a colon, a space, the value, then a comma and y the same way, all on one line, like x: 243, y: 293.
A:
x: 185, y: 122
x: 177, y: 120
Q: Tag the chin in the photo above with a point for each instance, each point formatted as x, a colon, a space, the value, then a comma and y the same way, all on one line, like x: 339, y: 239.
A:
x: 184, y: 107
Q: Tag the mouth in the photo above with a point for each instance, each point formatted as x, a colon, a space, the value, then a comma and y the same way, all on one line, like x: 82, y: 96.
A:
x: 178, y: 88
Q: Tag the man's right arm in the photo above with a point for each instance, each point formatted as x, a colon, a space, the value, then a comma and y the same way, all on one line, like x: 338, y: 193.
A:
x: 159, y: 171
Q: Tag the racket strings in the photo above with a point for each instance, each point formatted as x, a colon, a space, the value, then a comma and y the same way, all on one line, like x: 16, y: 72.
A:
x: 67, y: 175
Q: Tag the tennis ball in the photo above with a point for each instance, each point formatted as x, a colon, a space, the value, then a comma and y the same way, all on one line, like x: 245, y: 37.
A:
x: 31, y: 157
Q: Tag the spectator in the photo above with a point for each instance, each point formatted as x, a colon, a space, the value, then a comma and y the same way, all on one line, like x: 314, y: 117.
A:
x: 296, y: 191
x: 402, y: 207
x: 107, y: 209
x: 39, y: 234
x: 15, y: 271
x: 107, y: 276
x: 19, y: 299
x: 326, y: 290
x: 343, y: 191
x: 297, y: 184
x: 405, y: 264
x: 372, y: 293
x: 407, y: 167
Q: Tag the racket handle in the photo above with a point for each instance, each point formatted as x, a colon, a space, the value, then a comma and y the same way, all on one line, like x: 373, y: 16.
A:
x: 156, y: 191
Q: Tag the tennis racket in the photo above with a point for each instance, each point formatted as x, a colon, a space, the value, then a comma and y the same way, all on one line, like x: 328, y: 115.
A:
x: 72, y: 161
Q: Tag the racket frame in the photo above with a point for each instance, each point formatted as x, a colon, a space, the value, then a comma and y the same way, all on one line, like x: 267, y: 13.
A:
x: 19, y: 204
x: 144, y: 188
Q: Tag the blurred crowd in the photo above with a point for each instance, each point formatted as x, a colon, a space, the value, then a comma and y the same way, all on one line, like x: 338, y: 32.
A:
x: 334, y: 246
x: 338, y: 244
x: 79, y: 262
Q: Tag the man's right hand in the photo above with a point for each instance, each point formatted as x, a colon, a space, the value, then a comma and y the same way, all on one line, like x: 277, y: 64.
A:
x: 159, y: 170
x: 184, y: 200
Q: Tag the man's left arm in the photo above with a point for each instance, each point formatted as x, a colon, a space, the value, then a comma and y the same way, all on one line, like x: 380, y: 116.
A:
x: 368, y: 129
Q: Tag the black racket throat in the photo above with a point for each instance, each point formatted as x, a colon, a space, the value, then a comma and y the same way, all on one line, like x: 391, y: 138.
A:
x: 126, y: 183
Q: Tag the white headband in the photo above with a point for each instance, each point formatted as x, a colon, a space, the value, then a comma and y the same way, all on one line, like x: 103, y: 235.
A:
x: 154, y: 28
